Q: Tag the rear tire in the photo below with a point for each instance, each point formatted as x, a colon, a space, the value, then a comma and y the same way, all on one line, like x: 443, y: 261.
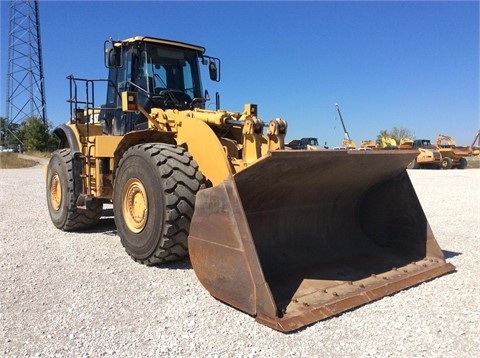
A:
x: 463, y: 163
x: 61, y: 198
x: 446, y: 163
x: 153, y: 201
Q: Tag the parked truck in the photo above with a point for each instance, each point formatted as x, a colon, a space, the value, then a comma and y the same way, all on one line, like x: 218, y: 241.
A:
x: 309, y: 143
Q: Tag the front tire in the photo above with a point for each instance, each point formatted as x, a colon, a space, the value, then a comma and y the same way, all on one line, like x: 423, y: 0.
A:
x: 446, y: 163
x: 153, y: 201
x: 61, y: 199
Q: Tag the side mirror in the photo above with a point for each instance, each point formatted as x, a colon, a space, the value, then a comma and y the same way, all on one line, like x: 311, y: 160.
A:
x: 212, y: 69
x: 113, y: 54
x: 114, y: 57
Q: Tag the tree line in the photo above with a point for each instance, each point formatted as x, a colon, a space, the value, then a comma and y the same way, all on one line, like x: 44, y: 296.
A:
x: 32, y: 134
x: 395, y: 133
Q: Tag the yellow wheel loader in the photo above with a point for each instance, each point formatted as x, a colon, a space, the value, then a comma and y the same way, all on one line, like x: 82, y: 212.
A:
x: 428, y: 158
x: 290, y: 237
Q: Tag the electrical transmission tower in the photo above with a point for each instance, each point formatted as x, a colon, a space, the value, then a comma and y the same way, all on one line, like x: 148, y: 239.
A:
x: 25, y: 81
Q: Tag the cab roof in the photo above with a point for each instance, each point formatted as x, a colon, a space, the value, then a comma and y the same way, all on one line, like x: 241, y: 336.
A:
x: 166, y: 42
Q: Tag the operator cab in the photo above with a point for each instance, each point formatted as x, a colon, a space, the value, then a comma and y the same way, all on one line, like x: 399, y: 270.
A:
x: 422, y: 143
x: 165, y: 74
x: 310, y: 141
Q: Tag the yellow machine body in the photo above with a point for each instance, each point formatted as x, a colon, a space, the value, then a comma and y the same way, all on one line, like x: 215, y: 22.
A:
x: 453, y: 156
x: 290, y: 237
x: 428, y: 157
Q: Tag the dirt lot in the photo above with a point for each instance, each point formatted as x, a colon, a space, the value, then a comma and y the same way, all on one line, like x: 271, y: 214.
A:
x: 79, y: 294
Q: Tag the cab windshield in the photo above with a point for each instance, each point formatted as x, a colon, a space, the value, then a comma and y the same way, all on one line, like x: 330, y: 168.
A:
x: 159, y: 69
x: 425, y: 144
x: 164, y: 77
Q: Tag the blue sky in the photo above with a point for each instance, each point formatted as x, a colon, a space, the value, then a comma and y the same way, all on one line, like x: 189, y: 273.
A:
x: 388, y: 64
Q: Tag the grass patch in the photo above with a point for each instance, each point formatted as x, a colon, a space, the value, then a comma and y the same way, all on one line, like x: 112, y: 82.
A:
x: 39, y: 154
x: 14, y: 161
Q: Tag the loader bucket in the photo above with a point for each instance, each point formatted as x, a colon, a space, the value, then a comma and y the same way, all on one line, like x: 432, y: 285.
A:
x: 300, y: 236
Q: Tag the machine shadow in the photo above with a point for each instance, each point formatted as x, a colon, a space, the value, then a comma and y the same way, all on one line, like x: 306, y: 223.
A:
x: 450, y: 254
x: 107, y: 226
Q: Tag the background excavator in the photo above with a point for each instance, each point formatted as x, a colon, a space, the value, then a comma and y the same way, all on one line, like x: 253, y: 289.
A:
x: 388, y: 143
x: 290, y: 237
x: 453, y: 156
x: 368, y: 144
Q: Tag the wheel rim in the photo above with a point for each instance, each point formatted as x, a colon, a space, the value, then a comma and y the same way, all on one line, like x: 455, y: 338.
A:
x: 135, y: 205
x: 55, y: 192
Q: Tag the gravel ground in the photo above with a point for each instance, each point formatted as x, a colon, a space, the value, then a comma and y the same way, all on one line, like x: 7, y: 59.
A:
x: 79, y: 294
